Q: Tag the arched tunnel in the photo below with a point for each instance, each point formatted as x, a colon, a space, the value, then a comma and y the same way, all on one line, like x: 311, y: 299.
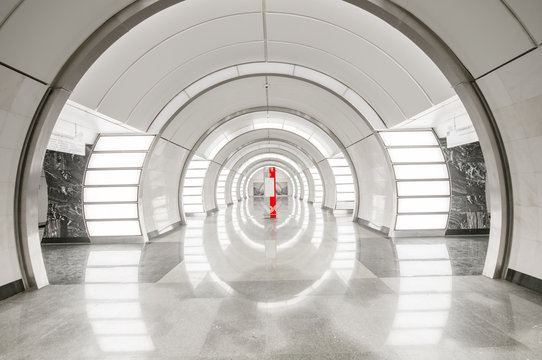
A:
x: 137, y: 138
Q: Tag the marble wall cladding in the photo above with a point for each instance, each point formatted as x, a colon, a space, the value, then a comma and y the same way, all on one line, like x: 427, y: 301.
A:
x: 468, y: 177
x: 64, y: 174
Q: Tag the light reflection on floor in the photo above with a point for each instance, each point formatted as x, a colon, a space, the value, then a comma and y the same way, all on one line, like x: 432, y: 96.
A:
x: 307, y: 285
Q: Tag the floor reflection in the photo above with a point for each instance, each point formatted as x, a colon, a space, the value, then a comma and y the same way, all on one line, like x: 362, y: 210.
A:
x: 308, y: 284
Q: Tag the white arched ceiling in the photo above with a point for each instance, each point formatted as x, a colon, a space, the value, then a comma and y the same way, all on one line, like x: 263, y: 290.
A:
x: 163, y: 55
x: 259, y: 120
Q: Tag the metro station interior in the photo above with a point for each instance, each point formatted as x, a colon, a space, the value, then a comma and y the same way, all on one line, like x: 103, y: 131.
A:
x: 405, y: 139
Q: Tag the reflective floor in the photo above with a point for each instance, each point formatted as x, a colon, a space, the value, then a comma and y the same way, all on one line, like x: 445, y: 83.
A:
x: 307, y: 285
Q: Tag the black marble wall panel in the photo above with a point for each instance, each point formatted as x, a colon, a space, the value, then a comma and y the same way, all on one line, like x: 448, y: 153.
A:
x: 64, y: 174
x: 468, y: 199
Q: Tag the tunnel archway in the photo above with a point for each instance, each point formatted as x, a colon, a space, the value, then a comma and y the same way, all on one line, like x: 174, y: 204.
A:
x: 80, y: 62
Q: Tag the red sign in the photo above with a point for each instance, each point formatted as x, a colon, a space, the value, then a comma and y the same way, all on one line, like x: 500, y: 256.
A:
x: 273, y: 199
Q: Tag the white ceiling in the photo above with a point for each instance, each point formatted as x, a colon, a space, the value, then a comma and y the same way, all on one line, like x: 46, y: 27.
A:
x: 139, y: 74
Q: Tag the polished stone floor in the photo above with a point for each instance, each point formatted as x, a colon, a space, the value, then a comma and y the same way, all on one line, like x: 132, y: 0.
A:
x: 307, y: 285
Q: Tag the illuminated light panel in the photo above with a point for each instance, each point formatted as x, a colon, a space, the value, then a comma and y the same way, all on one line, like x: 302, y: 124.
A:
x: 268, y: 123
x: 110, y: 194
x: 114, y: 228
x: 365, y: 109
x: 421, y: 222
x: 112, y: 177
x: 116, y: 160
x: 420, y: 205
x: 423, y: 188
x: 111, y: 211
x: 409, y: 138
x: 419, y: 155
x: 123, y: 143
x: 425, y: 171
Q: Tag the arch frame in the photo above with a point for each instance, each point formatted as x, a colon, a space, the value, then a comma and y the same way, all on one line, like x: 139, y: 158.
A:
x: 58, y: 92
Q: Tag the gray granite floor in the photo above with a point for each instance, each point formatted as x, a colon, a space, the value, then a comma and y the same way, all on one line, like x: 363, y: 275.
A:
x: 308, y: 285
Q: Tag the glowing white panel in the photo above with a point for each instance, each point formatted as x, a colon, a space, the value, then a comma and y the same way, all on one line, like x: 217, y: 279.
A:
x: 211, y: 80
x: 112, y: 177
x: 217, y: 145
x: 123, y: 143
x: 191, y: 191
x: 341, y: 171
x: 420, y: 205
x: 190, y: 200
x: 111, y: 211
x: 364, y: 109
x: 423, y: 188
x: 346, y: 188
x: 193, y: 173
x: 114, y: 228
x: 426, y: 171
x: 421, y: 222
x: 343, y: 179
x: 265, y: 68
x: 408, y: 138
x: 322, y: 79
x: 116, y: 160
x: 421, y: 251
x: 167, y: 112
x: 193, y: 182
x: 110, y: 194
x: 416, y: 155
x: 346, y: 196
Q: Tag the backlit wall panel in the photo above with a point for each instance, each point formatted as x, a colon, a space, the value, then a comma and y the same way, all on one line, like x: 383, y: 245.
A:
x: 422, y: 179
x: 110, y: 194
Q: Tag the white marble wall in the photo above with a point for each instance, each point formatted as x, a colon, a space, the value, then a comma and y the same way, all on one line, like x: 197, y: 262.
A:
x: 514, y: 93
x: 160, y: 185
x: 376, y: 185
x: 19, y: 98
x: 328, y: 180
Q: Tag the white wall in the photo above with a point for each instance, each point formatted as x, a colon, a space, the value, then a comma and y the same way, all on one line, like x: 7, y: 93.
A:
x: 19, y: 98
x: 514, y: 93
x: 160, y: 185
x: 376, y: 192
x: 328, y: 181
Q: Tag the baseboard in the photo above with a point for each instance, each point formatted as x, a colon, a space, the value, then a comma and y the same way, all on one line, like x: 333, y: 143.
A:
x: 116, y: 239
x: 11, y: 289
x: 66, y: 240
x: 467, y: 232
x: 528, y: 281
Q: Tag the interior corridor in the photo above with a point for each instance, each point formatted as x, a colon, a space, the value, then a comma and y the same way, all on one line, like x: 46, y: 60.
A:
x: 307, y: 285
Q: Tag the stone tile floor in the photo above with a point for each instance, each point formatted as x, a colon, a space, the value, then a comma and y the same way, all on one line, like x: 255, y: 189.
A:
x: 308, y: 285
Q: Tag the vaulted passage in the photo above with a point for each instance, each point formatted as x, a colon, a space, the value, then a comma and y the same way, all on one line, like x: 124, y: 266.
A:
x: 145, y: 146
